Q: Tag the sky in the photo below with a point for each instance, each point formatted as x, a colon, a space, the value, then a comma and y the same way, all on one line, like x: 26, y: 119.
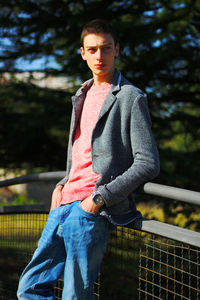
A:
x: 36, y: 64
x: 26, y: 65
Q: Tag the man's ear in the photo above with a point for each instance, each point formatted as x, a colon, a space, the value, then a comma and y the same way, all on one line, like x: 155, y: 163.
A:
x: 82, y: 53
x: 117, y: 50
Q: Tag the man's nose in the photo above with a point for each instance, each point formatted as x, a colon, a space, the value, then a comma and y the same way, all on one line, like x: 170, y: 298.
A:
x: 99, y: 54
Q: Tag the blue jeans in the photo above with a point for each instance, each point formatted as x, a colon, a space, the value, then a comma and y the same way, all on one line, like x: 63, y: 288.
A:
x: 72, y: 243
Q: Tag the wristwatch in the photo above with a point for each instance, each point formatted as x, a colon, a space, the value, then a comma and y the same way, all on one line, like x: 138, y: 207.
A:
x: 97, y: 198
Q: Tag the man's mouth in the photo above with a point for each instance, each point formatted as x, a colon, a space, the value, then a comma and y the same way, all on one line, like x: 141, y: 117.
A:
x: 99, y: 66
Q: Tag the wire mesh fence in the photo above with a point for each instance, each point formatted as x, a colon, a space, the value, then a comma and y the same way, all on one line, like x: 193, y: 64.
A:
x: 168, y: 270
x: 137, y: 265
x: 18, y: 237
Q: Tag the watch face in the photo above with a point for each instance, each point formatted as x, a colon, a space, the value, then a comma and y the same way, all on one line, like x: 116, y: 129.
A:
x: 98, y: 199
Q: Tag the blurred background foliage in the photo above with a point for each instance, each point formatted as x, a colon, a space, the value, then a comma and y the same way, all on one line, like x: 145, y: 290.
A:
x: 33, y: 127
x: 159, y: 53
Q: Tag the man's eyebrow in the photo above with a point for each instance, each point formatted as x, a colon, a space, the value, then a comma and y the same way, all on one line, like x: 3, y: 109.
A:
x: 106, y: 44
x: 90, y: 47
x: 109, y: 43
x: 103, y: 45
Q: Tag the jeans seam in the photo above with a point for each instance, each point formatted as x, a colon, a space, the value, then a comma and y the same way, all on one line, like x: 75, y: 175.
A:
x: 42, y: 276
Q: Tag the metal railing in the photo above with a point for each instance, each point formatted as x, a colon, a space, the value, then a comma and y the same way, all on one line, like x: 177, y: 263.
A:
x: 146, y: 260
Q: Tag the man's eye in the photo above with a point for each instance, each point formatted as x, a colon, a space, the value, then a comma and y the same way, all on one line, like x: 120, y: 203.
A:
x: 107, y: 48
x: 91, y: 50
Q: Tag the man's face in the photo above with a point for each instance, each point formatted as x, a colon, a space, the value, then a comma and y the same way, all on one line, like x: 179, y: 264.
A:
x: 100, y: 51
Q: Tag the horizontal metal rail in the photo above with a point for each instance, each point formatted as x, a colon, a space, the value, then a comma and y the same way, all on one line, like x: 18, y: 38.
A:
x: 171, y: 192
x: 25, y: 209
x: 175, y: 233
x: 45, y: 176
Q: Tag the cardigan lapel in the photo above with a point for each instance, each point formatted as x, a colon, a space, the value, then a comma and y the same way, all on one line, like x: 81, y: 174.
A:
x: 110, y: 99
x: 77, y: 102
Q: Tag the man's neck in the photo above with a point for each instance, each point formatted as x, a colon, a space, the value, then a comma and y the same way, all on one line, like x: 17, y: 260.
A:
x: 100, y: 80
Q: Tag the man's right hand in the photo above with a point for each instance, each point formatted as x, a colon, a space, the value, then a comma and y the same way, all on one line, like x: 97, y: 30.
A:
x: 56, y: 197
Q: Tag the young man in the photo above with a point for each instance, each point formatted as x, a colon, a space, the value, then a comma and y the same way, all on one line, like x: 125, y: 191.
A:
x: 111, y: 152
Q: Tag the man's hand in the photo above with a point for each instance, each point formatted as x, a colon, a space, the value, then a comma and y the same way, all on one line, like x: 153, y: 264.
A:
x: 89, y: 205
x: 56, y: 197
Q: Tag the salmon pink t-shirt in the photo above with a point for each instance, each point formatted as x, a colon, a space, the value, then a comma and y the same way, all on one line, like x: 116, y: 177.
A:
x: 82, y: 178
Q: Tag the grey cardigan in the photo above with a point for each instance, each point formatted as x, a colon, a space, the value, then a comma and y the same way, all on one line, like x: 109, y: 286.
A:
x: 124, y: 151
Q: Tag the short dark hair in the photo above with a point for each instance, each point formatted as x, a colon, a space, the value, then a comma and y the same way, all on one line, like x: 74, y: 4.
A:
x: 98, y: 26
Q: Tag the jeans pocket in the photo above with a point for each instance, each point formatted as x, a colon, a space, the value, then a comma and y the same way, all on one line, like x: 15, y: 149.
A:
x: 87, y: 213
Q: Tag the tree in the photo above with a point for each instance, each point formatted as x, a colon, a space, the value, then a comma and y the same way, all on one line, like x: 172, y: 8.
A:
x: 159, y: 53
x: 32, y: 128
